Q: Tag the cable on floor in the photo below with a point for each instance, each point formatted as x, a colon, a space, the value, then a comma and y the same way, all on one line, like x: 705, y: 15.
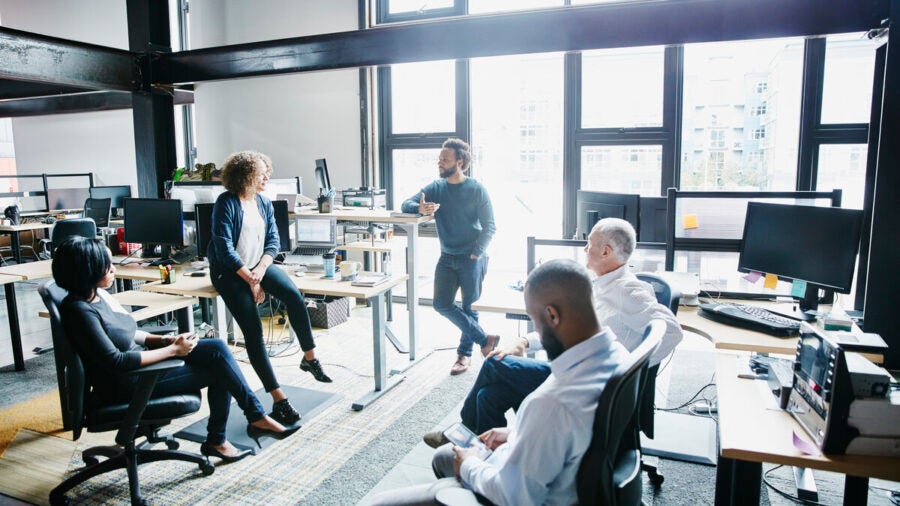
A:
x: 783, y: 493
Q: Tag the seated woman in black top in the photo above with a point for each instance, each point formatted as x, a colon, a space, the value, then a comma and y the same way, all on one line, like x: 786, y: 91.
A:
x: 110, y: 345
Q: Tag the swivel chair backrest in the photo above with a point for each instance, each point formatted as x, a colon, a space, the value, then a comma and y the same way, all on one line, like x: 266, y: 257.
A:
x: 98, y: 210
x: 70, y: 375
x: 615, y: 433
x: 63, y: 229
x: 665, y: 294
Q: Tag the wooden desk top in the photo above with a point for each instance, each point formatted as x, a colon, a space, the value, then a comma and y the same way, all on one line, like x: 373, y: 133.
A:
x: 6, y: 279
x: 749, y: 431
x: 29, y: 270
x: 310, y: 283
x: 138, y: 272
x: 314, y: 283
x: 363, y: 214
x: 377, y: 246
x: 727, y: 337
x: 157, y: 303
x: 505, y: 300
x: 25, y: 226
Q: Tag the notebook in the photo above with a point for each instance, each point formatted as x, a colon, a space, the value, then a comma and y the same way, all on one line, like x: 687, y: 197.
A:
x: 370, y: 280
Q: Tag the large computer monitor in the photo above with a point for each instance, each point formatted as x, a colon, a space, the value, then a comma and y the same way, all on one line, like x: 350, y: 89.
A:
x: 316, y: 232
x: 59, y: 199
x: 154, y: 221
x: 322, y: 176
x: 116, y: 195
x: 813, y: 244
x: 203, y: 222
x: 283, y: 224
x: 594, y: 206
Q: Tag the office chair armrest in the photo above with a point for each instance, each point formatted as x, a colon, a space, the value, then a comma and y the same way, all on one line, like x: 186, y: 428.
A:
x: 165, y: 365
x: 147, y: 377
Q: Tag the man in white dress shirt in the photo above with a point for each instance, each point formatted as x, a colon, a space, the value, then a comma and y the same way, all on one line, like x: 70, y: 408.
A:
x: 622, y: 302
x: 536, y: 461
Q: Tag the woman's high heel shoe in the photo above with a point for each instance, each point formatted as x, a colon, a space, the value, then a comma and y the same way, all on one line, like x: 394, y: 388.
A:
x: 256, y: 433
x: 212, y: 451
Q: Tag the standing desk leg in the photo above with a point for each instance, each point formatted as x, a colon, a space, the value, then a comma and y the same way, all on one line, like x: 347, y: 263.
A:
x: 412, y: 292
x: 16, y: 246
x: 737, y: 482
x: 222, y: 319
x: 856, y: 491
x: 383, y: 383
x: 15, y: 334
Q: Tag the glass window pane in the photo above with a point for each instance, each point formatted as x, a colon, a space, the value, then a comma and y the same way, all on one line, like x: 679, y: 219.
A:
x: 843, y: 166
x: 397, y: 6
x: 847, y: 86
x: 741, y: 115
x: 482, y: 6
x: 718, y: 272
x: 622, y: 88
x: 517, y: 142
x: 423, y: 97
x: 622, y: 169
x: 412, y: 169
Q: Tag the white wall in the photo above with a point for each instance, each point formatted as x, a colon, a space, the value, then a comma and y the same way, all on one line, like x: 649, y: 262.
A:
x: 295, y: 118
x: 98, y: 142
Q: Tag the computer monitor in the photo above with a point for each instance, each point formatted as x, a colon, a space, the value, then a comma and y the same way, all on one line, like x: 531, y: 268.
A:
x: 274, y: 187
x: 203, y: 222
x: 115, y: 194
x: 316, y: 232
x: 283, y: 224
x: 653, y: 219
x: 59, y: 199
x: 813, y: 244
x: 594, y: 206
x: 322, y: 175
x: 154, y: 221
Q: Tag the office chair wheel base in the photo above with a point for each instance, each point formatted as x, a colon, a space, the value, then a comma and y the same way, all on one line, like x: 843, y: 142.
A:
x: 172, y: 444
x: 89, y: 461
x: 207, y: 468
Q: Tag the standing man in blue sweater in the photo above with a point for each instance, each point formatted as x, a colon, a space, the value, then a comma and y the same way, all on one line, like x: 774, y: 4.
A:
x: 465, y: 225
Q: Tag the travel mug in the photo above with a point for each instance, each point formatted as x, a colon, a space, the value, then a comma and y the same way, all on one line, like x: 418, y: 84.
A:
x: 328, y: 261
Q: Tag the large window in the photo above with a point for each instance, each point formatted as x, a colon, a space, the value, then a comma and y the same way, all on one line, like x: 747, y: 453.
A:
x: 746, y: 96
x: 422, y: 95
x: 621, y: 169
x: 413, y: 170
x: 847, y: 89
x: 517, y: 139
x: 622, y: 88
x: 843, y: 166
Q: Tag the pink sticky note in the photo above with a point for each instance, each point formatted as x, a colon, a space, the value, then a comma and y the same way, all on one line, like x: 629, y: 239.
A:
x: 804, y: 446
x: 753, y: 276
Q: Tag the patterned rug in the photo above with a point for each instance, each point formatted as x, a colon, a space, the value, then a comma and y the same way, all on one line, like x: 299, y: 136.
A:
x: 288, y: 470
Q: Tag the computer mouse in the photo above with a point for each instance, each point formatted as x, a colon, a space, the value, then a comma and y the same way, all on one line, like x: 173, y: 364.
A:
x: 299, y: 274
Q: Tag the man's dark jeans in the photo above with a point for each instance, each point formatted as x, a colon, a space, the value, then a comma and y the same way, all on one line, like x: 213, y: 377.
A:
x: 460, y: 272
x: 501, y: 384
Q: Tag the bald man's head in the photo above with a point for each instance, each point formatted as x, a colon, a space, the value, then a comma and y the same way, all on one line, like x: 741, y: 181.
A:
x: 558, y: 300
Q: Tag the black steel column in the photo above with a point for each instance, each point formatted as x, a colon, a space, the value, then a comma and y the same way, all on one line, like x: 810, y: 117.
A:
x: 884, y: 270
x: 152, y: 107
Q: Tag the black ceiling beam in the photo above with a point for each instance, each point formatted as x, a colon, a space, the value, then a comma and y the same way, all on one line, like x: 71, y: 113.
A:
x: 11, y: 89
x: 639, y: 23
x: 78, y: 102
x: 26, y: 56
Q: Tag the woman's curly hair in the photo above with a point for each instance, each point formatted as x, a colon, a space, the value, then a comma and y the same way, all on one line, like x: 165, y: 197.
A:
x: 237, y: 171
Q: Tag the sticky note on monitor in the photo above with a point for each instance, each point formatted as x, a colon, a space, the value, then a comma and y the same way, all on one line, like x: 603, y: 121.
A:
x: 753, y: 276
x: 771, y: 281
x: 689, y: 221
x: 798, y: 288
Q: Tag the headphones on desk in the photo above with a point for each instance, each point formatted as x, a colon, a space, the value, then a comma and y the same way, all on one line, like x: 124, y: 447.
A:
x: 12, y: 212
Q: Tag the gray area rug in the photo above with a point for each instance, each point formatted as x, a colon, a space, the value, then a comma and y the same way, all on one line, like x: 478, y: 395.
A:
x: 38, y: 378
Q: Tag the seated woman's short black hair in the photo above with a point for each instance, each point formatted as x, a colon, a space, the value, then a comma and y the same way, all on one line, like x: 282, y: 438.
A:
x: 79, y: 264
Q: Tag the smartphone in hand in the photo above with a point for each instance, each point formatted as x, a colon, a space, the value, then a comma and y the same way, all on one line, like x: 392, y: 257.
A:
x: 461, y: 436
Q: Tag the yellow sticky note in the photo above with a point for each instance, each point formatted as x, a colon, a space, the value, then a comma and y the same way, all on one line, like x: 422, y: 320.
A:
x: 689, y: 221
x: 771, y: 281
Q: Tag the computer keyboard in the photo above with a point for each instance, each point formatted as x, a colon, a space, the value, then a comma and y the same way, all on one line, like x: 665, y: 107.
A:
x: 185, y: 255
x: 307, y: 251
x: 750, y: 317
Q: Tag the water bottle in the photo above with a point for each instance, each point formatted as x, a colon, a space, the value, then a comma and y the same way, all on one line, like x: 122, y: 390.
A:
x: 387, y: 265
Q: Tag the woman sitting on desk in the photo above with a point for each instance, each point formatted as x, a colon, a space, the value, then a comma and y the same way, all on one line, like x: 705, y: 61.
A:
x: 110, y: 344
x: 243, y: 246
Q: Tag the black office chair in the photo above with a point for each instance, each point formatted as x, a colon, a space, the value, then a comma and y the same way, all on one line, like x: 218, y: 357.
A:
x: 610, y: 471
x: 98, y: 210
x: 669, y: 297
x: 63, y: 229
x: 140, y: 417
